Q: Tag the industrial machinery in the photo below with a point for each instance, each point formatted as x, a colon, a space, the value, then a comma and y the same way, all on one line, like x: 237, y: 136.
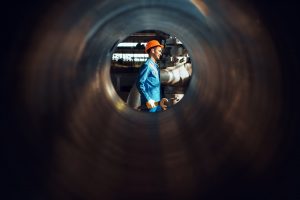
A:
x: 175, y: 69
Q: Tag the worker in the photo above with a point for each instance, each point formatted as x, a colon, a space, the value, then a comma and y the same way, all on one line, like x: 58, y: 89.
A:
x: 148, y: 82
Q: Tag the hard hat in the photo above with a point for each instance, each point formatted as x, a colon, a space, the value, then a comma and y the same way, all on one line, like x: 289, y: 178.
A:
x: 152, y: 43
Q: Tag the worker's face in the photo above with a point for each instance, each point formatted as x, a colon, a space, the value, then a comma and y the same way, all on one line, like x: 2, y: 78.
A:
x: 157, y: 52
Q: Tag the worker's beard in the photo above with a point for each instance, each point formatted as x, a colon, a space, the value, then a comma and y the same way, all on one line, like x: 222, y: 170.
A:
x: 157, y: 57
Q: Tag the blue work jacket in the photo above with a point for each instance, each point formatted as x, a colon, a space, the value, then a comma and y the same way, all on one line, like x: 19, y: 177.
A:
x: 148, y: 83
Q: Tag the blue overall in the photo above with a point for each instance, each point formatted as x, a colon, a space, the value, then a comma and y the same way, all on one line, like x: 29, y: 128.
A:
x: 148, y: 83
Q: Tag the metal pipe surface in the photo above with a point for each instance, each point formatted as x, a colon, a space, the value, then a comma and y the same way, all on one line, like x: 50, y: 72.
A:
x: 79, y: 140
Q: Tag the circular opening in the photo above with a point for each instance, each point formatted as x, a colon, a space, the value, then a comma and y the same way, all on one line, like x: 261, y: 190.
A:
x: 133, y: 72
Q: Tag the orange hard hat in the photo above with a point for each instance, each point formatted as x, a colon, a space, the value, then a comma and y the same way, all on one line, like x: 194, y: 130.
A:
x: 152, y: 43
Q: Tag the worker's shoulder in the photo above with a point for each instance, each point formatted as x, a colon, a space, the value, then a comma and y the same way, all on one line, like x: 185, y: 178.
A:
x: 145, y: 64
x: 149, y: 63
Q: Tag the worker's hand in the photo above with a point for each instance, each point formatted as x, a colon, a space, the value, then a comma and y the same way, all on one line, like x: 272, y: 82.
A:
x: 162, y: 103
x: 150, y: 104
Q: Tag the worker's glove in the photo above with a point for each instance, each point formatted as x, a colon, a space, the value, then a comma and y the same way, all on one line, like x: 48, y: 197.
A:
x: 150, y: 104
x: 162, y: 103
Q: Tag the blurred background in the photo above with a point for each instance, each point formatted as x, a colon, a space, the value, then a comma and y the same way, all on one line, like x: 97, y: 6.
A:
x: 67, y: 135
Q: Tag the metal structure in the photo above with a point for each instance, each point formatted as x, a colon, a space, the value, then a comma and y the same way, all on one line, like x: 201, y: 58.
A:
x: 175, y: 65
x: 68, y: 135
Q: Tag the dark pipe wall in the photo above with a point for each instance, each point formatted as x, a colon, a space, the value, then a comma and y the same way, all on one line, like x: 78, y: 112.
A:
x: 36, y: 165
